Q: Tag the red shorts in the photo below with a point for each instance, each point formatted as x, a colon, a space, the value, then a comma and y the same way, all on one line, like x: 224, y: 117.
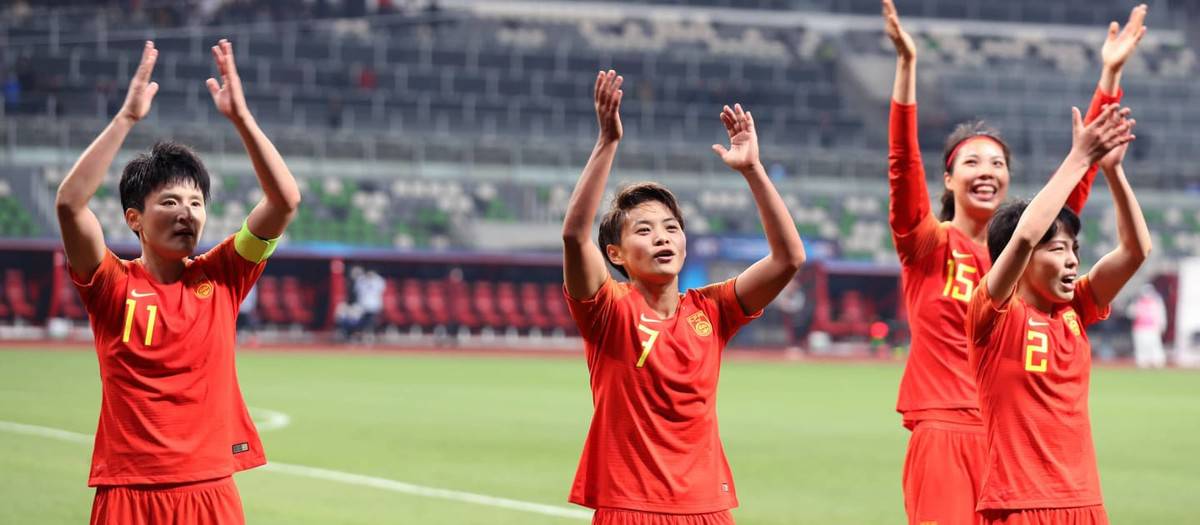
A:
x: 605, y: 516
x: 201, y: 503
x: 943, y: 472
x: 1092, y: 515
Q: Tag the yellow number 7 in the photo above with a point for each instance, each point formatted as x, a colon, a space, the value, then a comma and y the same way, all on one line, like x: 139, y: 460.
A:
x: 647, y: 345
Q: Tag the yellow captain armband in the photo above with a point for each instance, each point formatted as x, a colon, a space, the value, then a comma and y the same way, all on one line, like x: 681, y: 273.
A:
x: 252, y: 248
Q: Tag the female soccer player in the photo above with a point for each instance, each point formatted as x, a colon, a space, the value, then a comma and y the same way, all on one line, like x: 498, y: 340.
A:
x: 1027, y: 326
x: 941, y: 264
x: 173, y: 426
x: 653, y: 454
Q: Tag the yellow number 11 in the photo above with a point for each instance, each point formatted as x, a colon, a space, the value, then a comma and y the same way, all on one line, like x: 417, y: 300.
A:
x: 130, y: 307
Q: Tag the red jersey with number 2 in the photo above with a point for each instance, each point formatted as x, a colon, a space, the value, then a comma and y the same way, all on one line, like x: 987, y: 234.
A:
x: 1033, y: 370
x: 171, y: 409
x: 653, y: 444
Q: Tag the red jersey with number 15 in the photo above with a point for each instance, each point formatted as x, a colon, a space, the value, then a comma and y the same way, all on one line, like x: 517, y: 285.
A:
x: 940, y: 268
x: 171, y: 409
x: 653, y: 444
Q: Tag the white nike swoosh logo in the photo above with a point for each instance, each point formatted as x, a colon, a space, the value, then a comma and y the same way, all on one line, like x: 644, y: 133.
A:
x: 960, y: 255
x: 649, y: 320
x: 1037, y: 323
x: 136, y: 294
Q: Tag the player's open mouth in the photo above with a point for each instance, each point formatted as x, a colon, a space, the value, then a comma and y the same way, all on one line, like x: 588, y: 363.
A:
x: 186, y: 233
x: 664, y: 256
x: 1068, y: 281
x: 984, y: 191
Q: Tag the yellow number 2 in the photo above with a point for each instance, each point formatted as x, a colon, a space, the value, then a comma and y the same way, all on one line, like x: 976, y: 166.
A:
x: 647, y: 345
x: 958, y: 282
x: 1039, y: 346
x: 130, y: 308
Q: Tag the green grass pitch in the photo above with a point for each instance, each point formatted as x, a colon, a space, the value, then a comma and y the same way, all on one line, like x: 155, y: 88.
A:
x: 808, y: 443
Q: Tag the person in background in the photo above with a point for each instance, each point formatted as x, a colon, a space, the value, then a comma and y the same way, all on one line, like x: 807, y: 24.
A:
x: 1149, y: 316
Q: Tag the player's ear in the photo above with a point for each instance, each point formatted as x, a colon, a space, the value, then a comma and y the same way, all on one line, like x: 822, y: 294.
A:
x: 614, y: 254
x: 946, y: 176
x: 133, y: 219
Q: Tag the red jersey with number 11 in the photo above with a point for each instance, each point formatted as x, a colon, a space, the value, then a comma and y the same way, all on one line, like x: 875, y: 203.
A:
x: 171, y: 409
x: 653, y: 444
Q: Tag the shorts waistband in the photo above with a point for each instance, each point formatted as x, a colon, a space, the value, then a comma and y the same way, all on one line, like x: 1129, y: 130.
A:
x: 933, y: 424
x: 183, y: 486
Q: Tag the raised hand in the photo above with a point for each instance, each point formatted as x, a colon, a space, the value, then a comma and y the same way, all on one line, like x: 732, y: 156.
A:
x: 1122, y: 42
x: 742, y: 154
x: 227, y: 95
x: 608, y: 105
x: 1111, y: 129
x: 905, y: 48
x: 141, y: 89
x: 1113, y: 158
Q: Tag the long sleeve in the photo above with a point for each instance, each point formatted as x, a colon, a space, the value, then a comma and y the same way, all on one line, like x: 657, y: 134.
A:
x: 909, y: 198
x: 1079, y: 195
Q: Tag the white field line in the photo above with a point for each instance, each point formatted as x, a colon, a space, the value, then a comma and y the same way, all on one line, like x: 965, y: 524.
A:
x: 343, y: 477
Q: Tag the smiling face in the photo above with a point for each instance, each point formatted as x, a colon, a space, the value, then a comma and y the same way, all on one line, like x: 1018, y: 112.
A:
x: 1053, y: 268
x: 978, y: 177
x: 652, y: 245
x: 171, y: 220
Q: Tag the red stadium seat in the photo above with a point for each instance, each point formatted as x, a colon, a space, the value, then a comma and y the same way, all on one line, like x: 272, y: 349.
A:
x: 435, y: 299
x: 484, y: 298
x: 413, y: 300
x: 70, y: 306
x: 533, y: 307
x: 556, y: 307
x: 509, y: 307
x: 17, y: 295
x: 460, y: 300
x: 393, y: 309
x: 269, y: 300
x: 297, y: 301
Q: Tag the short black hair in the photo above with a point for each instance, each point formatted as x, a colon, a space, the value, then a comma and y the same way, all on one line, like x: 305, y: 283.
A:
x: 1004, y: 223
x: 962, y: 133
x: 627, y: 199
x: 166, y: 163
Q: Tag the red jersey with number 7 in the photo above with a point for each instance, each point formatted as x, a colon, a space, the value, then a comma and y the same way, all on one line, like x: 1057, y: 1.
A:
x: 171, y: 409
x: 1033, y: 370
x: 653, y: 444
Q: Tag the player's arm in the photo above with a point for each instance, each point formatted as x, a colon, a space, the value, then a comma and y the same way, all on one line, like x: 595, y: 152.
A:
x: 83, y: 239
x: 1119, y: 46
x: 909, y: 198
x: 1089, y: 144
x: 1115, y: 269
x: 583, y: 264
x: 281, y: 194
x: 762, y: 281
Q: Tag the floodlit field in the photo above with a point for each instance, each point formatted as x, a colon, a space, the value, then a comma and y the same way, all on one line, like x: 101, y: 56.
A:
x: 369, y: 438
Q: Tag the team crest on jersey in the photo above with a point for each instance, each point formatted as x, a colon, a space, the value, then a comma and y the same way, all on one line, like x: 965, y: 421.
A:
x: 700, y: 324
x: 1072, y: 321
x: 203, y: 289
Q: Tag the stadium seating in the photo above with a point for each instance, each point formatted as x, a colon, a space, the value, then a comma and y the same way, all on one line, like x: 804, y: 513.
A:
x: 18, y: 295
x: 419, y: 133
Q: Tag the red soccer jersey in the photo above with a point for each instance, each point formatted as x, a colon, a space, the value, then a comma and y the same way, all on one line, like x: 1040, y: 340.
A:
x: 1033, y: 370
x: 939, y: 268
x: 171, y: 409
x: 653, y: 444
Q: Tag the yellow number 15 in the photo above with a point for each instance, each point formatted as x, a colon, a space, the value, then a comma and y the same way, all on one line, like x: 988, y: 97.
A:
x: 130, y: 308
x: 958, y: 282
